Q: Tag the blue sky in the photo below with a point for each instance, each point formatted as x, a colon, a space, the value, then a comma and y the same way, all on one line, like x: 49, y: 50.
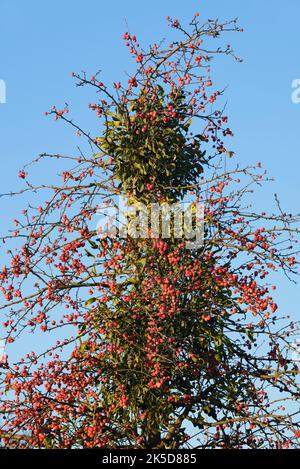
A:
x: 42, y: 42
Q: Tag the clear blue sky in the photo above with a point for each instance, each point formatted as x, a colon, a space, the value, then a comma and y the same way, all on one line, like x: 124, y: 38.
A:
x: 42, y: 42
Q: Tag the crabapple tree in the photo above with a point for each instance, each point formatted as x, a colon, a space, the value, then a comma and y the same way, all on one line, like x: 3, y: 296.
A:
x: 146, y: 343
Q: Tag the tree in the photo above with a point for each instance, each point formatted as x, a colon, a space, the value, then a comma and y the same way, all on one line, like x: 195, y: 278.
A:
x: 149, y: 344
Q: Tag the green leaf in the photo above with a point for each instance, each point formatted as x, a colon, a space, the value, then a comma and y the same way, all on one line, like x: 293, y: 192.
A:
x: 134, y: 281
x: 90, y: 301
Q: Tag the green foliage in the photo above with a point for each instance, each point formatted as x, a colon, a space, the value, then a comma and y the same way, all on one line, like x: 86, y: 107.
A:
x: 149, y: 141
